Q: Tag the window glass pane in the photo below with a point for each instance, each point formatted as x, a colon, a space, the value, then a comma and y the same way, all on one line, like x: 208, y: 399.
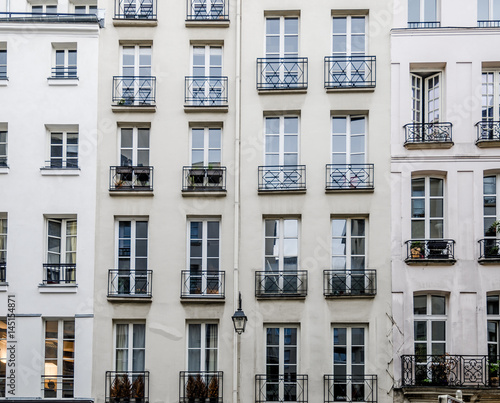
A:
x: 194, y: 336
x: 418, y: 229
x: 430, y: 12
x: 271, y: 228
x: 291, y: 125
x: 492, y: 304
x: 492, y: 331
x: 420, y: 304
x: 438, y: 348
x: 420, y: 331
x: 436, y: 228
x: 141, y: 229
x: 436, y: 207
x: 482, y: 10
x: 272, y: 26
x: 436, y: 187
x: 339, y: 228
x: 413, y: 10
x: 489, y: 185
x: 496, y: 10
x: 272, y: 125
x: 438, y: 305
x: 418, y: 187
x: 339, y: 125
x: 291, y: 26
x: 339, y: 25
x: 291, y: 228
x: 438, y: 330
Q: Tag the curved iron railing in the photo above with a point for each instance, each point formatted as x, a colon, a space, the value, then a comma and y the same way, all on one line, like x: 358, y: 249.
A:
x: 350, y: 71
x: 203, y: 178
x: 350, y: 388
x: 281, y: 284
x: 430, y: 249
x: 281, y: 388
x: 419, y: 133
x: 131, y: 386
x: 130, y: 283
x: 282, y: 73
x: 137, y: 10
x: 352, y: 283
x: 349, y: 176
x: 488, y: 131
x: 130, y: 178
x: 207, y: 10
x: 282, y: 177
x: 201, y: 386
x: 134, y: 90
x: 203, y: 284
x: 59, y: 273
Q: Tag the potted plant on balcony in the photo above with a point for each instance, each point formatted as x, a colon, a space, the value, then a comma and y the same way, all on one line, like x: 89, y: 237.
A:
x: 493, y: 228
x: 138, y: 389
x: 201, y: 391
x: 493, y: 368
x: 213, y: 390
x: 190, y: 389
x: 120, y: 389
x: 441, y: 369
x: 416, y: 250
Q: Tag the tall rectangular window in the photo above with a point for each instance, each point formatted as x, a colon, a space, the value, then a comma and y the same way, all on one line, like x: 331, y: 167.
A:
x: 44, y: 9
x: 423, y: 13
x: 207, y: 85
x: 64, y: 150
x: 429, y: 312
x: 3, y: 61
x: 137, y: 84
x: 65, y: 65
x: 348, y: 140
x: 58, y: 379
x: 427, y: 208
x: 426, y: 98
x: 130, y: 347
x: 206, y: 147
x: 3, y: 148
x: 134, y: 147
x: 281, y: 140
x: 490, y: 106
x: 493, y: 315
x: 203, y: 347
x: 61, y: 251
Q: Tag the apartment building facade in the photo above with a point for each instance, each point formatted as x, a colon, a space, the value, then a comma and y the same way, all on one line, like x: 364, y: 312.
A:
x: 242, y: 151
x: 444, y: 169
x: 48, y: 120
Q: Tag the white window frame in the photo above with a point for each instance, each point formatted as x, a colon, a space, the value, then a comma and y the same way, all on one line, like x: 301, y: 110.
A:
x: 490, y: 90
x: 281, y: 152
x: 490, y: 218
x: 427, y: 207
x: 141, y: 92
x: 492, y: 10
x: 135, y: 146
x: 206, y: 146
x: 61, y: 271
x: 429, y: 318
x: 63, y: 69
x: 46, y: 8
x: 425, y: 86
x: 349, y: 34
x: 207, y: 89
x: 282, y: 36
x: 87, y: 8
x: 349, y: 137
x: 65, y: 223
x: 65, y: 149
x: 130, y: 344
x: 281, y: 238
x: 203, y: 345
x: 494, y: 320
x: 422, y: 9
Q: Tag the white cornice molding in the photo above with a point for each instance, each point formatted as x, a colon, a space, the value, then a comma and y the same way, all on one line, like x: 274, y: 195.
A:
x: 56, y: 28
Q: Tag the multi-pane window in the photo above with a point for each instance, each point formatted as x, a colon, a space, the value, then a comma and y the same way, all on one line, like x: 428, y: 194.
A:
x: 348, y: 244
x: 488, y: 10
x: 86, y: 9
x: 137, y: 9
x: 63, y: 150
x: 134, y: 147
x: 493, y: 315
x: 3, y: 61
x: 490, y: 205
x: 61, y: 251
x: 281, y: 140
x: 349, y: 352
x: 429, y: 314
x: 130, y: 347
x: 58, y: 379
x: 207, y: 9
x: 426, y: 98
x: 281, y: 364
x: 206, y: 146
x: 207, y: 87
x: 424, y: 12
x: 427, y: 208
x: 490, y: 106
x: 65, y: 63
x: 349, y: 36
x: 44, y: 9
x: 3, y: 148
x: 348, y: 139
x: 3, y: 356
x: 203, y: 347
x: 136, y: 72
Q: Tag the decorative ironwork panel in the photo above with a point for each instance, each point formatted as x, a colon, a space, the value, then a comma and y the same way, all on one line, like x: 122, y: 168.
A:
x: 488, y: 131
x: 281, y: 388
x: 203, y: 178
x: 207, y: 10
x: 428, y: 132
x: 203, y: 284
x: 134, y: 90
x: 489, y: 248
x: 59, y: 273
x: 282, y: 73
x: 132, y: 387
x: 282, y: 177
x: 349, y: 283
x: 131, y: 178
x: 201, y: 386
x: 130, y: 283
x: 350, y: 71
x: 58, y: 386
x: 135, y: 9
x: 430, y: 249
x: 281, y: 284
x: 349, y: 176
x: 350, y: 388
x: 205, y: 91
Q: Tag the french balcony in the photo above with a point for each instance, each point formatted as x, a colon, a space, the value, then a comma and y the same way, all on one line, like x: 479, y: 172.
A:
x: 205, y: 92
x: 352, y: 283
x: 134, y: 91
x: 203, y: 179
x: 63, y: 72
x: 488, y: 23
x: 350, y: 388
x: 349, y: 177
x: 282, y: 73
x: 206, y: 284
x: 350, y: 72
x: 489, y: 251
x: 3, y: 272
x: 488, y: 134
x: 445, y: 370
x: 435, y: 251
x: 136, y: 284
x: 281, y: 284
x: 130, y: 387
x: 60, y: 163
x: 135, y: 179
x: 281, y: 388
x: 207, y: 10
x: 274, y: 178
x: 424, y: 24
x: 135, y: 10
x: 48, y: 17
x: 59, y: 273
x: 428, y: 135
x: 3, y: 162
x: 58, y: 386
x: 201, y: 386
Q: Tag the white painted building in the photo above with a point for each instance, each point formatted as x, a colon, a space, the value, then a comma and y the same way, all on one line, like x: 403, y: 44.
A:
x: 445, y: 162
x: 48, y: 144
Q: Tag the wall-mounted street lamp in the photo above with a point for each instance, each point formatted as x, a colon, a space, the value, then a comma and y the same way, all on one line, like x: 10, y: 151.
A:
x: 239, y: 319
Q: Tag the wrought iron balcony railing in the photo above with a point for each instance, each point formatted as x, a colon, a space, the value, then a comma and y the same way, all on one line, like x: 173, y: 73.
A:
x: 281, y: 388
x: 445, y: 370
x: 134, y: 90
x: 282, y: 73
x: 489, y: 249
x: 424, y: 24
x: 349, y: 177
x: 59, y: 273
x: 132, y: 387
x: 48, y: 17
x: 422, y: 133
x: 131, y: 178
x: 130, y: 283
x: 207, y: 10
x: 64, y: 72
x: 352, y: 283
x: 58, y: 386
x: 284, y: 284
x: 135, y: 10
x: 205, y: 91
x: 488, y: 131
x: 3, y: 272
x: 488, y: 23
x: 350, y: 72
x: 282, y: 177
x: 203, y: 284
x: 56, y: 163
x: 203, y: 178
x: 201, y: 386
x: 441, y: 250
x: 350, y: 388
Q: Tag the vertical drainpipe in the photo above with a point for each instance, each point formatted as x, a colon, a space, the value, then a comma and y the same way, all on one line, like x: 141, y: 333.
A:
x: 236, y: 233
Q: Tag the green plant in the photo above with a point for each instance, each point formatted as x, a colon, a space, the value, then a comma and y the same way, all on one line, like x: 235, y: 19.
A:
x: 494, y: 227
x: 426, y: 380
x: 493, y: 367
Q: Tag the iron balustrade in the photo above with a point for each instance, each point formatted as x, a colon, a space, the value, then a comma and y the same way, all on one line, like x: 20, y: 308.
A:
x: 350, y: 72
x: 58, y: 386
x: 3, y: 162
x: 205, y: 90
x: 131, y: 178
x: 445, y: 370
x: 134, y: 90
x: 130, y: 283
x: 201, y: 386
x: 350, y: 388
x: 3, y: 272
x: 489, y: 249
x: 488, y: 131
x: 207, y: 10
x: 421, y: 133
x: 282, y: 73
x: 424, y: 24
x: 430, y: 249
x: 59, y: 273
x: 48, y: 17
x: 281, y: 284
x: 135, y: 10
x: 59, y: 163
x: 282, y: 177
x: 488, y: 23
x: 349, y: 283
x: 64, y: 72
x: 281, y: 388
x: 203, y: 284
x: 349, y: 176
x: 203, y: 178
x: 131, y: 386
